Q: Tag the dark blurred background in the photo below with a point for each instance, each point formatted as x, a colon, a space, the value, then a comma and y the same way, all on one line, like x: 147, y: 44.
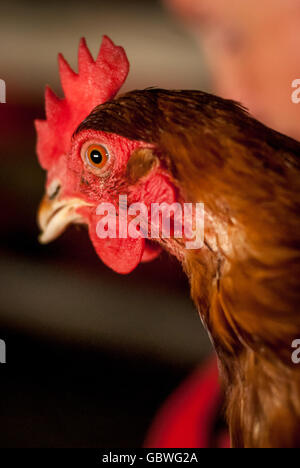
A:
x: 91, y: 356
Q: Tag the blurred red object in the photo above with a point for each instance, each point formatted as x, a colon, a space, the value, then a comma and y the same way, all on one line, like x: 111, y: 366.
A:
x: 189, y: 417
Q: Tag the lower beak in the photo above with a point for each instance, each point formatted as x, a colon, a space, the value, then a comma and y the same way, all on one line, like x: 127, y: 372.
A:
x: 55, y: 216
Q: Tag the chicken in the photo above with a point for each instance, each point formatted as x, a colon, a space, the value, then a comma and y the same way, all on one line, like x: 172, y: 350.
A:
x: 159, y: 146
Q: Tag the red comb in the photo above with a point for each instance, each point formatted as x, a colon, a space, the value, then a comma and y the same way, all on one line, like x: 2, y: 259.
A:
x: 96, y: 82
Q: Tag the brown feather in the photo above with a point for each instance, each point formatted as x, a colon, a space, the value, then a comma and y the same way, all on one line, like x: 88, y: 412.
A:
x: 245, y: 281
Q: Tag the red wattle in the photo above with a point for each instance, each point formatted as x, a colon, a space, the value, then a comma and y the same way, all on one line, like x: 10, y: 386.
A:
x: 121, y: 255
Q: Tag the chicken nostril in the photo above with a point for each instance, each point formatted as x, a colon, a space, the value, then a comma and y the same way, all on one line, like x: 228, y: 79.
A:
x: 54, y: 193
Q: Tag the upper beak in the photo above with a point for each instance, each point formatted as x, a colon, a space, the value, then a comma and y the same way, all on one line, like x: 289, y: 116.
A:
x: 54, y: 216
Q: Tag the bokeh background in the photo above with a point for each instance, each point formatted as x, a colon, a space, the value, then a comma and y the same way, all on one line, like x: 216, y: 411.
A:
x: 92, y: 356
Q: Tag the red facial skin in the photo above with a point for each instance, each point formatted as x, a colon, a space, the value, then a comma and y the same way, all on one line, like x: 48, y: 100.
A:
x: 78, y: 180
x: 96, y: 82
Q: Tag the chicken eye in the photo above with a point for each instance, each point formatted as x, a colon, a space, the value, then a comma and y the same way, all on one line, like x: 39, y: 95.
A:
x: 97, y: 156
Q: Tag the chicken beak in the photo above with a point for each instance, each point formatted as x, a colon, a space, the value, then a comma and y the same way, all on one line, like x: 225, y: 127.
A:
x: 54, y: 216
